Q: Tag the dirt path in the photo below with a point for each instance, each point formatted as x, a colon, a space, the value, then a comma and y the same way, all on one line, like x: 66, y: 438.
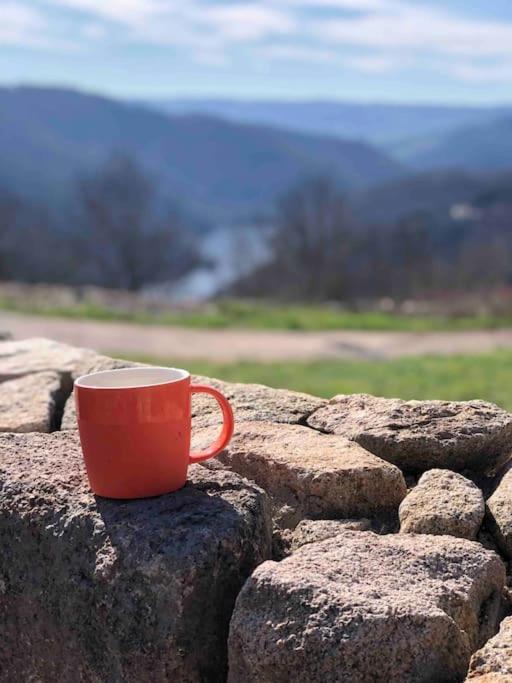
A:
x: 231, y: 345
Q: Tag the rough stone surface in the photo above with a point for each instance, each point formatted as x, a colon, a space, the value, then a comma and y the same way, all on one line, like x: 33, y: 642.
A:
x: 443, y: 502
x: 253, y: 402
x: 99, y: 590
x: 308, y: 474
x: 31, y: 403
x: 23, y: 357
x: 30, y: 356
x: 421, y: 435
x: 69, y: 415
x: 360, y: 607
x: 314, y: 530
x: 494, y: 661
x: 499, y: 514
x: 249, y: 401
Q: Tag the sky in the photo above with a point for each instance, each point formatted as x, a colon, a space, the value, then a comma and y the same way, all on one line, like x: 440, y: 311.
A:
x: 441, y: 51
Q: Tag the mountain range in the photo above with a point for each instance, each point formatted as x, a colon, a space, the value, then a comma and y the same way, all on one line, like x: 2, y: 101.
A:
x: 486, y: 146
x: 227, y: 159
x: 420, y: 136
x: 50, y: 136
x: 389, y: 126
x: 432, y: 193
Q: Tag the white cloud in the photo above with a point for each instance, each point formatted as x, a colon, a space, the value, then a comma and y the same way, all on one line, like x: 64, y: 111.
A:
x: 20, y: 25
x: 128, y: 12
x: 483, y: 73
x: 211, y: 57
x: 399, y: 26
x: 369, y: 36
x: 371, y: 63
x: 94, y: 31
x: 247, y: 21
x: 298, y: 53
x: 237, y: 21
x: 353, y: 5
x: 208, y: 30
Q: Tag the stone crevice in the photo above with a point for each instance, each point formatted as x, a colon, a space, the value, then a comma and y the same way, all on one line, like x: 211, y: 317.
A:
x: 60, y: 397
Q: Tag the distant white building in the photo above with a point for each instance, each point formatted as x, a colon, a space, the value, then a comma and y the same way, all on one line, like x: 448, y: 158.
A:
x: 464, y: 212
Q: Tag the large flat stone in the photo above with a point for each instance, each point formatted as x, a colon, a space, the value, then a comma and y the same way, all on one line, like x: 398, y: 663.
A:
x: 34, y: 356
x: 493, y: 663
x: 360, y: 607
x: 18, y: 358
x: 100, y: 590
x: 499, y: 513
x: 308, y: 474
x: 31, y: 403
x: 443, y: 502
x: 249, y: 401
x: 314, y: 530
x: 254, y: 402
x: 421, y: 435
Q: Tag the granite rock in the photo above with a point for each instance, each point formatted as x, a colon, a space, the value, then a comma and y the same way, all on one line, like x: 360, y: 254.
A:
x: 421, y: 435
x: 308, y: 474
x: 249, y: 401
x: 253, y: 402
x: 31, y: 403
x: 360, y: 607
x: 493, y: 662
x: 101, y: 590
x: 314, y: 530
x: 443, y: 502
x: 499, y: 513
x: 18, y: 358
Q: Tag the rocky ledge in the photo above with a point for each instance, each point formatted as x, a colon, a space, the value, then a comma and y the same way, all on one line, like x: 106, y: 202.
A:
x: 359, y: 539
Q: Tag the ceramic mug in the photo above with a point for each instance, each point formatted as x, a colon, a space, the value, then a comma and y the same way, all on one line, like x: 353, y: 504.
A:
x: 135, y: 426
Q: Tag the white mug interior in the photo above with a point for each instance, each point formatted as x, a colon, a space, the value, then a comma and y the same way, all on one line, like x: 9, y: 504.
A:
x: 131, y: 378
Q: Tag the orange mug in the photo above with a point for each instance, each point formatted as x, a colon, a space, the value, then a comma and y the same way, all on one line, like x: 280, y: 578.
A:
x: 135, y: 426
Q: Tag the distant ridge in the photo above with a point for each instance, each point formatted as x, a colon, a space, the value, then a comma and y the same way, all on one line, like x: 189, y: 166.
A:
x: 49, y: 135
x: 486, y: 146
x: 378, y: 123
x: 431, y: 192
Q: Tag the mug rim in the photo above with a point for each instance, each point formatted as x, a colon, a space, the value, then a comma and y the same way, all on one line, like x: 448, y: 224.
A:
x: 179, y: 375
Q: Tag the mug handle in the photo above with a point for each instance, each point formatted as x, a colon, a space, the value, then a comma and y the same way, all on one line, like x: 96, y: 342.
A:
x: 227, y: 426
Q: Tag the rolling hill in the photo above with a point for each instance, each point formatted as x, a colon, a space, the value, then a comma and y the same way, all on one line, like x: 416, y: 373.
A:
x: 487, y: 146
x: 48, y: 136
x: 377, y: 123
x: 432, y: 193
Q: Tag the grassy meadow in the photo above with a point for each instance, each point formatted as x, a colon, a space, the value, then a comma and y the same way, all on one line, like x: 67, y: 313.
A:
x: 234, y: 313
x: 458, y: 377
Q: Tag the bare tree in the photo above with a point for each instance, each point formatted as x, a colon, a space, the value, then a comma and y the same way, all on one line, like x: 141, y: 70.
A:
x: 9, y: 216
x: 411, y: 263
x: 127, y: 239
x: 311, y: 241
x: 320, y: 253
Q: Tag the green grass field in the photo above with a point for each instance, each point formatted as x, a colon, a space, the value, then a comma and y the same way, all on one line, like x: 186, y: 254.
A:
x: 486, y: 376
x: 231, y: 313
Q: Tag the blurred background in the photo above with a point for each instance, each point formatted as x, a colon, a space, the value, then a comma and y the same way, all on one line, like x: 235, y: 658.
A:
x: 313, y: 194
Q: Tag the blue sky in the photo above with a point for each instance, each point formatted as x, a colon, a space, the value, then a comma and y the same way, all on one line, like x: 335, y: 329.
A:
x: 395, y: 50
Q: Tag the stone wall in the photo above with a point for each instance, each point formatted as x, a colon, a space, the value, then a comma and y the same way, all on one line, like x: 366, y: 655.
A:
x: 359, y: 539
